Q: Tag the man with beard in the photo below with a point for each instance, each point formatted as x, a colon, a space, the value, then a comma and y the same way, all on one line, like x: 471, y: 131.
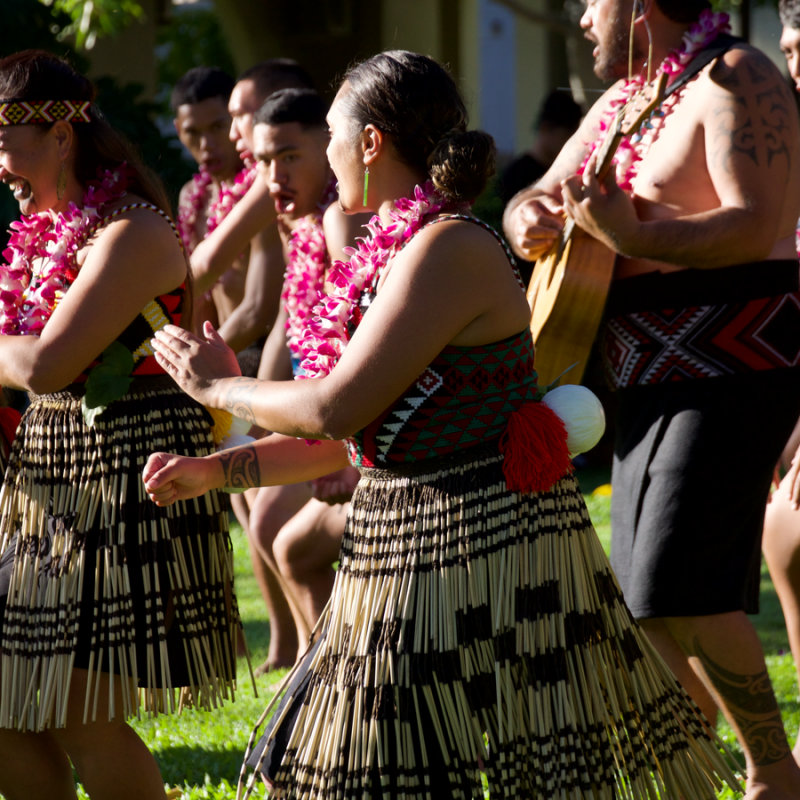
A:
x: 249, y: 227
x: 295, y: 531
x: 200, y: 102
x: 700, y: 340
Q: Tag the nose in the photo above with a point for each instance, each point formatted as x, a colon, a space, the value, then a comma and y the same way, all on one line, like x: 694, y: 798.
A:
x: 234, y: 135
x: 586, y: 18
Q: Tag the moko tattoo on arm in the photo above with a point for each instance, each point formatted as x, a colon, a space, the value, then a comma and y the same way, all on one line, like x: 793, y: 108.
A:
x: 238, y: 399
x: 240, y: 467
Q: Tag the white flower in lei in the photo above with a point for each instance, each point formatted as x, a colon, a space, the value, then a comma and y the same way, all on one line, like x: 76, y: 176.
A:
x: 42, y: 252
x: 631, y: 151
x: 326, y: 334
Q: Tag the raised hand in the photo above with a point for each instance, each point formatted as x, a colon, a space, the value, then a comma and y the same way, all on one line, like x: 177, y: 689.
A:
x: 196, y: 364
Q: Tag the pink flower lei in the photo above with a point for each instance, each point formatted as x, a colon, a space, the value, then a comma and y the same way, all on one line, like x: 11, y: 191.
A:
x: 42, y: 252
x: 326, y: 334
x: 631, y: 151
x: 305, y: 271
x: 227, y: 198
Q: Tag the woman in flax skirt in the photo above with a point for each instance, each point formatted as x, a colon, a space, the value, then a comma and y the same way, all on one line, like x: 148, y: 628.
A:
x: 475, y: 622
x: 102, y: 594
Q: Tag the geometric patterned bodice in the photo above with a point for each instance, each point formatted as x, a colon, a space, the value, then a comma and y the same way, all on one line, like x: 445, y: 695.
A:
x: 464, y: 397
x: 163, y: 310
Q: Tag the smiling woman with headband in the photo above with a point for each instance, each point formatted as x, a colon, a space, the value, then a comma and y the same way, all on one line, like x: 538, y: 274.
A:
x: 101, y: 594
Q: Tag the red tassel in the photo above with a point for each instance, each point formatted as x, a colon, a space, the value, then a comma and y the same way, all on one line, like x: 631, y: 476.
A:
x: 535, y: 448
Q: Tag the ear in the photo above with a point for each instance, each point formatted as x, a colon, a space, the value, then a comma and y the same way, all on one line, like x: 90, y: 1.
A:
x: 64, y: 134
x: 373, y: 143
x: 644, y: 9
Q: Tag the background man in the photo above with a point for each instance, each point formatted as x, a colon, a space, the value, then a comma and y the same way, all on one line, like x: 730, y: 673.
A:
x: 294, y: 537
x: 558, y: 120
x: 252, y: 223
x: 707, y: 273
x: 200, y: 102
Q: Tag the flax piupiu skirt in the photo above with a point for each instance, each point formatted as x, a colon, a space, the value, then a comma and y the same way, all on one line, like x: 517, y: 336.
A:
x: 471, y: 622
x: 94, y: 575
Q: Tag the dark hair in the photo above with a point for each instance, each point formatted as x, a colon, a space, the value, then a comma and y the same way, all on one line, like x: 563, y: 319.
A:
x: 39, y: 75
x: 415, y: 101
x: 201, y: 83
x: 559, y: 110
x: 275, y: 74
x: 790, y: 13
x: 683, y: 10
x: 304, y: 106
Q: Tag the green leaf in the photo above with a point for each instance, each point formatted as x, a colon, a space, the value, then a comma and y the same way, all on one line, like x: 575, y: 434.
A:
x: 108, y: 381
x: 119, y: 358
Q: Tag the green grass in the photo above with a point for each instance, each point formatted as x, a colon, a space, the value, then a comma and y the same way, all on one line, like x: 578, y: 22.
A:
x: 201, y: 752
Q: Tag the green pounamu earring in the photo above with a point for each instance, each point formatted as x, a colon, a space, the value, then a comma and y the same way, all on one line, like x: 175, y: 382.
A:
x: 366, y: 185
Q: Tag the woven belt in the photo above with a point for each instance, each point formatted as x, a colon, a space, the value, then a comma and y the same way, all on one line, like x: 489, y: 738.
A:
x: 480, y: 452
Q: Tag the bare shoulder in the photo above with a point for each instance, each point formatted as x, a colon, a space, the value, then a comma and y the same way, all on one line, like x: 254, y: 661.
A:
x: 744, y: 70
x: 139, y: 235
x: 459, y: 244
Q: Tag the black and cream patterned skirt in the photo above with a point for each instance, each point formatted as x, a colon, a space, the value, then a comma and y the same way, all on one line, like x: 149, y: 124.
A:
x: 95, y: 576
x: 473, y: 628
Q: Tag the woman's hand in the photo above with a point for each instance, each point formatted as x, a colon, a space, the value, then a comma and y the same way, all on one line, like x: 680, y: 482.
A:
x: 197, y: 365
x: 168, y: 477
x: 604, y: 210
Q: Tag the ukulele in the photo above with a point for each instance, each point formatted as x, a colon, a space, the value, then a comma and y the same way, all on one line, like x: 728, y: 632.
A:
x: 570, y: 283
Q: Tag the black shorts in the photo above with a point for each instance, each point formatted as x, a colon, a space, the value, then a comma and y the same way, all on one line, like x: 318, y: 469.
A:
x: 693, y: 464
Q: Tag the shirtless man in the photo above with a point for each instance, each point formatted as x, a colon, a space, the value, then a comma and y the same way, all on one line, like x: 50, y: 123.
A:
x: 702, y: 352
x: 297, y: 536
x: 250, y: 227
x: 200, y: 102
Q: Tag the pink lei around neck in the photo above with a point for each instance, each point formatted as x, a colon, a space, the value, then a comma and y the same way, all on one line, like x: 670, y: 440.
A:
x: 227, y: 197
x: 303, y: 282
x: 632, y: 150
x: 42, y: 252
x: 326, y: 334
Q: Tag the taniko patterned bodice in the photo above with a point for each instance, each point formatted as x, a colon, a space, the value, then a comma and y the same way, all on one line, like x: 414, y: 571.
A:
x: 166, y: 309
x: 464, y: 397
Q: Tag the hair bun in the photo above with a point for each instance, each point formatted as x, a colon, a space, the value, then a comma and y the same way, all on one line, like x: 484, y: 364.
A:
x: 462, y: 163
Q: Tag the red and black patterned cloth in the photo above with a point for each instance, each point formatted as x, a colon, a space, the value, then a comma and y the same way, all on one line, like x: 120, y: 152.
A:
x: 463, y: 398
x: 692, y: 324
x: 162, y: 310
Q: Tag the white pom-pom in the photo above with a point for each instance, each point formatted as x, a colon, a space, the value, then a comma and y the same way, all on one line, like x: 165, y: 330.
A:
x: 582, y: 415
x: 234, y: 441
x: 239, y: 427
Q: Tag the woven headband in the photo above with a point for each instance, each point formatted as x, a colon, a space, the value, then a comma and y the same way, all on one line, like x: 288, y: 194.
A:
x: 26, y: 112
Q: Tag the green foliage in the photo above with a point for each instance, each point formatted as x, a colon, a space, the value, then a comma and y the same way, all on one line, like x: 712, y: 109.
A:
x: 192, y: 38
x: 90, y: 19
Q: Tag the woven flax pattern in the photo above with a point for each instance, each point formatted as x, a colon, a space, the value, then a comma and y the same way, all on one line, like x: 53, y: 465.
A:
x: 101, y: 577
x: 472, y: 622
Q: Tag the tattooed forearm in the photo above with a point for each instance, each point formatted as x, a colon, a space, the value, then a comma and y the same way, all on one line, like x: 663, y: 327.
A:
x: 240, y: 467
x: 238, y: 399
x: 751, y: 702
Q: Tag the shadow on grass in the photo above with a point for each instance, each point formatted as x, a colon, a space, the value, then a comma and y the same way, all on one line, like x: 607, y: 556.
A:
x: 181, y: 764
